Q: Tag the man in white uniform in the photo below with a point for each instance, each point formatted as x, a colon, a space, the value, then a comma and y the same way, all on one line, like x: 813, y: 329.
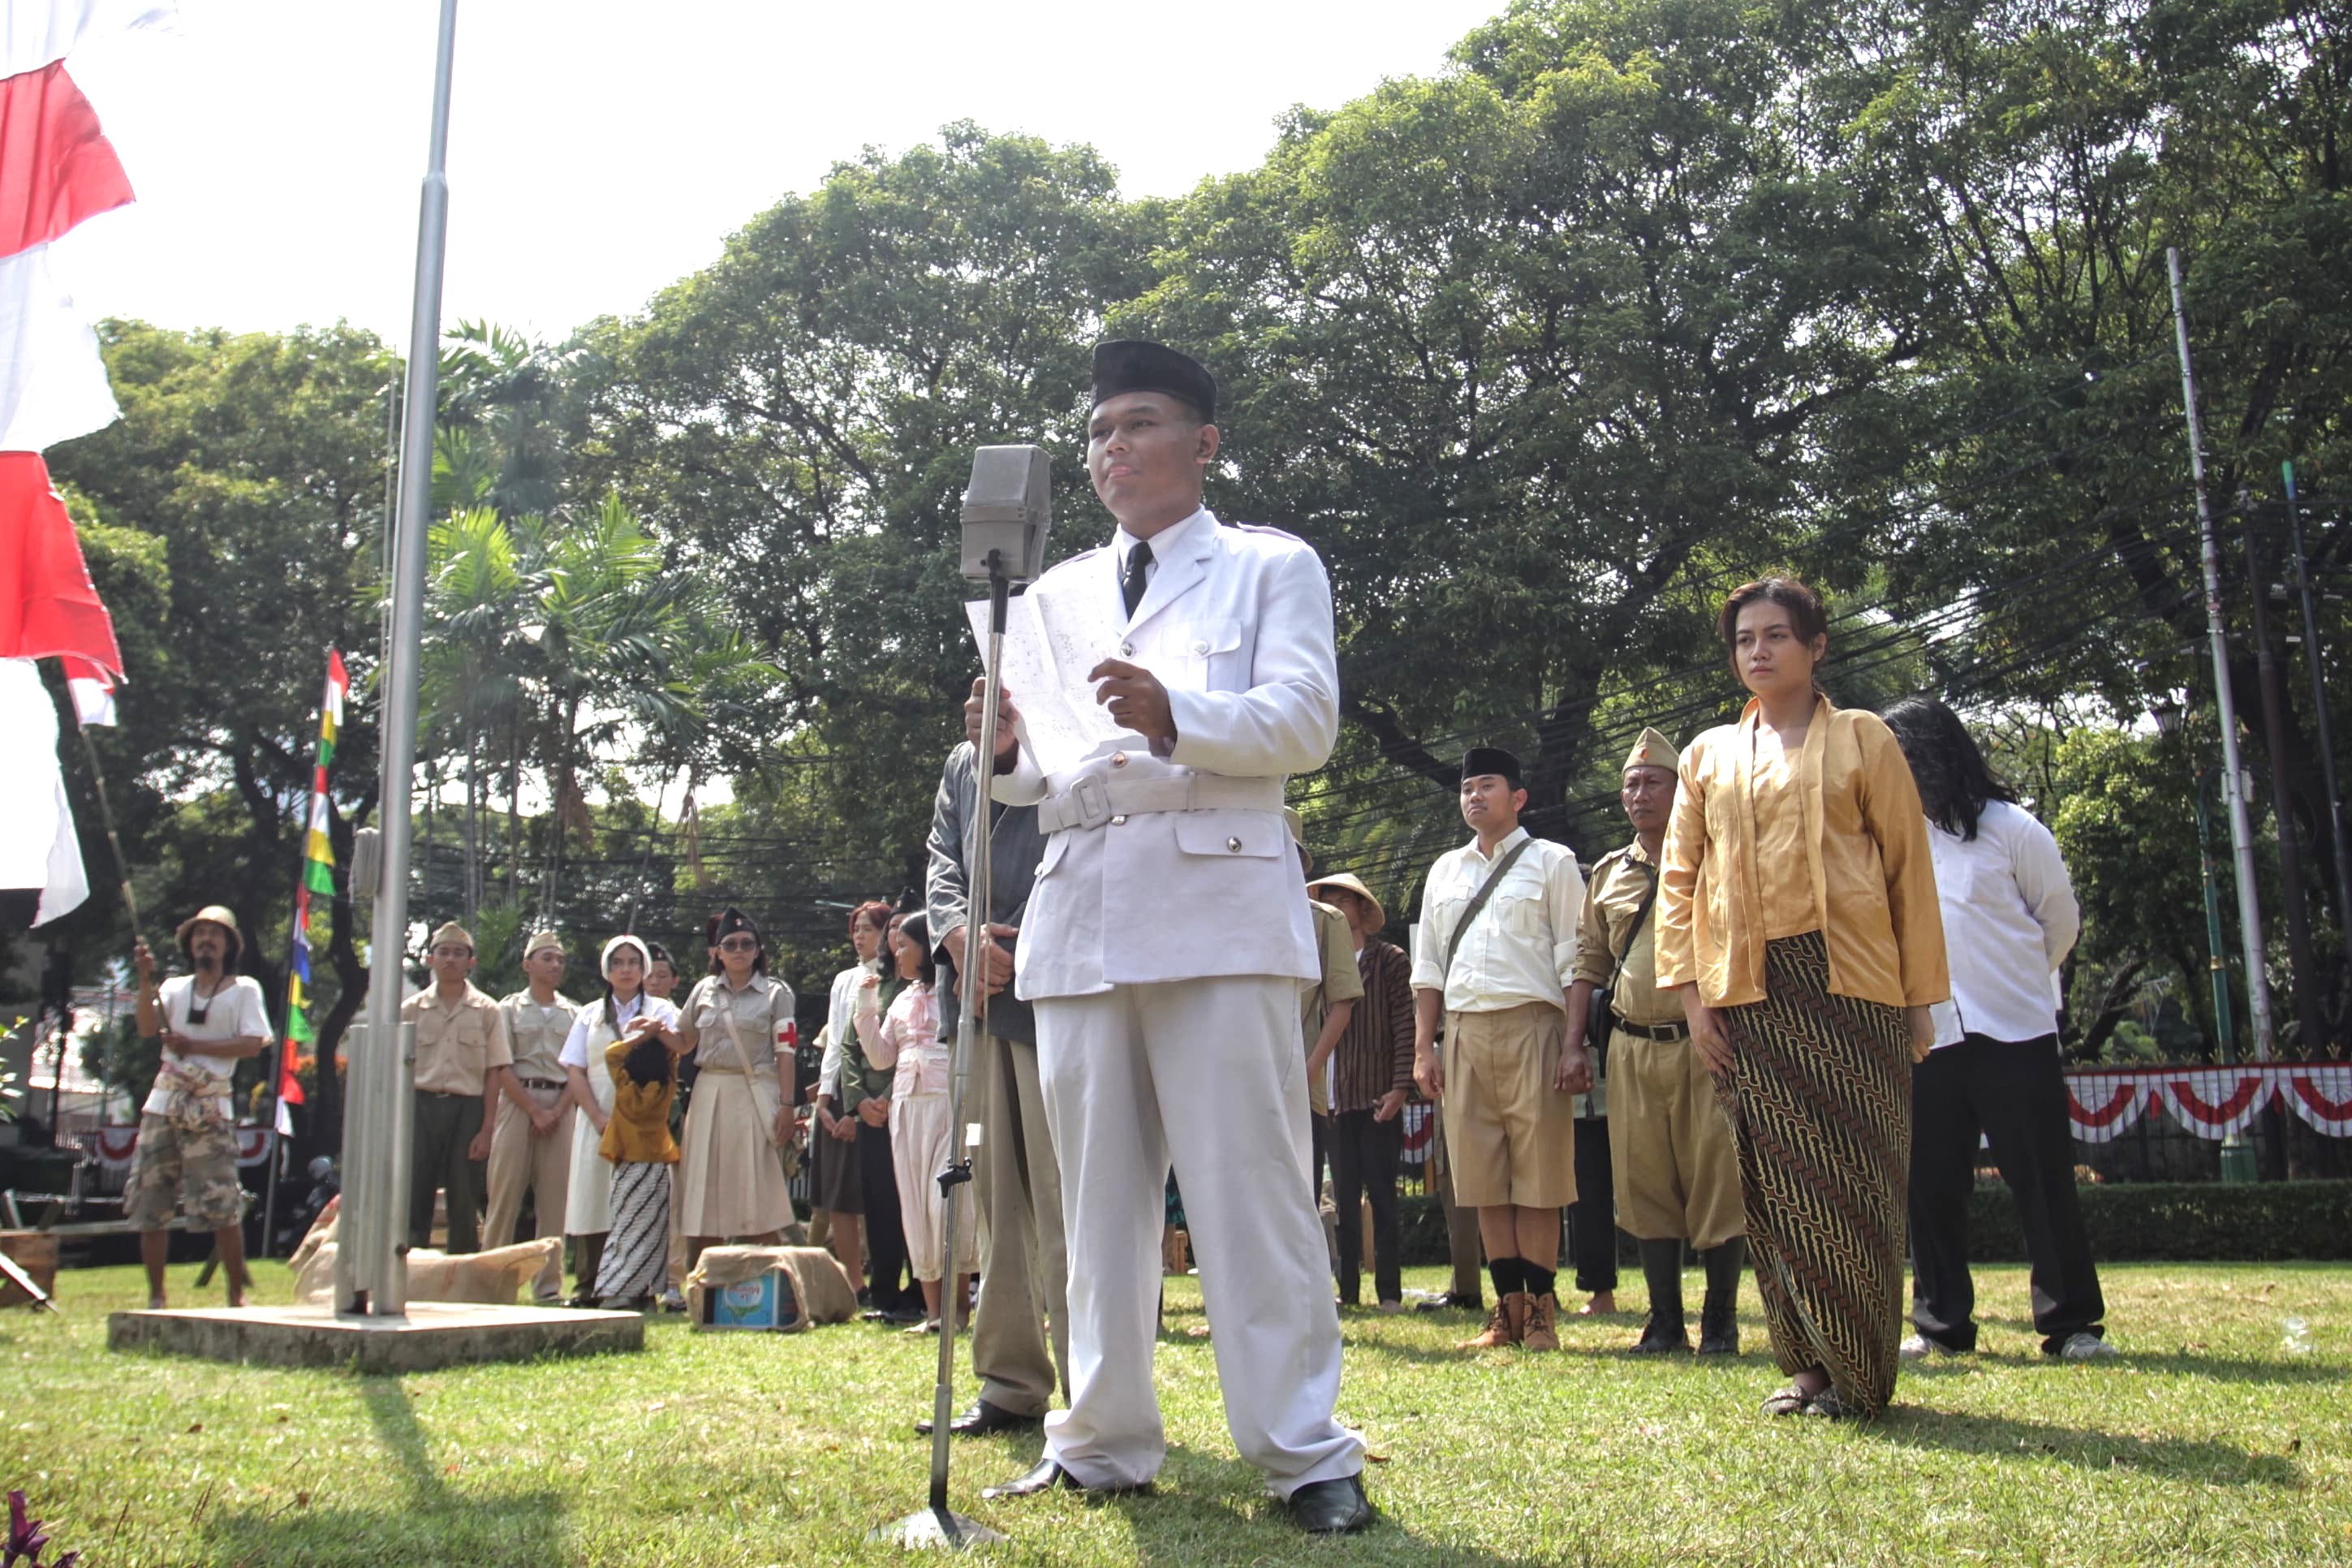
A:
x: 1167, y: 940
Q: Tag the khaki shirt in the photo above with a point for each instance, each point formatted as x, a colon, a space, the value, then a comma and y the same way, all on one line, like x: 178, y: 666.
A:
x: 1613, y: 897
x: 456, y: 1047
x: 535, y: 1035
x: 762, y: 1009
x: 1340, y: 982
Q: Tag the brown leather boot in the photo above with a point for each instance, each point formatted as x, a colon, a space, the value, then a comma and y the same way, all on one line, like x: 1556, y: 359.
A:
x: 1538, y: 1332
x: 1505, y: 1328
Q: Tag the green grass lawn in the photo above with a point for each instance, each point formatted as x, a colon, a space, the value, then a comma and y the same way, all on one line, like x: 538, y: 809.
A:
x: 2207, y: 1442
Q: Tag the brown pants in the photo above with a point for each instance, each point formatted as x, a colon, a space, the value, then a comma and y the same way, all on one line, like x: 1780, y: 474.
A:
x: 540, y: 1164
x: 1676, y: 1169
x: 1510, y: 1137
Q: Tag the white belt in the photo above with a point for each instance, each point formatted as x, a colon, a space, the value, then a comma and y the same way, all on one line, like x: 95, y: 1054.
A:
x: 1094, y: 800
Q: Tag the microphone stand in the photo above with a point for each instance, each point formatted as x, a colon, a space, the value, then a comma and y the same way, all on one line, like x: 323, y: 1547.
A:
x: 938, y: 1524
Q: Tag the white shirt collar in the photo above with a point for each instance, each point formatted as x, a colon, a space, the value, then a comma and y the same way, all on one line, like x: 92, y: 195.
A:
x: 1163, y: 545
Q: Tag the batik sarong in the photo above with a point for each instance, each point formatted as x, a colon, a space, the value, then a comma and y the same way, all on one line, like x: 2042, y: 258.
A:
x: 1819, y: 1099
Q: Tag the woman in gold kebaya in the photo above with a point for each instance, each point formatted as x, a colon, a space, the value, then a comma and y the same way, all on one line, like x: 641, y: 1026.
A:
x: 1797, y: 915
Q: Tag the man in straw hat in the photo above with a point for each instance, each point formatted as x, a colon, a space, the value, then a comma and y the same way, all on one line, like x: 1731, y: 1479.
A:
x: 1677, y: 1176
x: 1498, y: 941
x: 209, y: 1021
x: 1370, y: 1074
x: 1324, y: 1007
x: 464, y: 1066
x: 1167, y: 939
x: 530, y: 1133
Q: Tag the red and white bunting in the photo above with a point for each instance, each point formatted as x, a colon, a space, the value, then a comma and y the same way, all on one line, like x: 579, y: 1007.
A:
x: 2103, y: 1103
x: 2321, y: 1096
x: 2104, y: 1107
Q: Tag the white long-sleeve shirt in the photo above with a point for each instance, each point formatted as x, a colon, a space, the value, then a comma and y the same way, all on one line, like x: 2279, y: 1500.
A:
x: 1522, y: 946
x: 2009, y: 920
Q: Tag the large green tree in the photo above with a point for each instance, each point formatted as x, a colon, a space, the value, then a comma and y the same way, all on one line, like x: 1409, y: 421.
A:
x: 232, y: 516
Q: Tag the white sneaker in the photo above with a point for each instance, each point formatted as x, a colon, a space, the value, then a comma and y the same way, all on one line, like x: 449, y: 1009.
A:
x: 1919, y: 1347
x: 2085, y: 1346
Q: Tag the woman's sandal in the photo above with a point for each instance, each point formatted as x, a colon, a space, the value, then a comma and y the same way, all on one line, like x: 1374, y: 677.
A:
x: 1790, y: 1401
x: 1828, y: 1404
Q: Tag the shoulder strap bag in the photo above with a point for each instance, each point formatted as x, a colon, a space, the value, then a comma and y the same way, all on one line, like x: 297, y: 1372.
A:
x: 1478, y: 900
x: 1604, y: 1000
x: 765, y: 1094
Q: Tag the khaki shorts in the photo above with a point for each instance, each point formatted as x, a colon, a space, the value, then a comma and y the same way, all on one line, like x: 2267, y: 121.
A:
x: 172, y: 1163
x: 1510, y: 1137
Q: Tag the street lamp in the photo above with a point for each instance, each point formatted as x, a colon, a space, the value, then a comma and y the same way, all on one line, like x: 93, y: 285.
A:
x: 2237, y: 1154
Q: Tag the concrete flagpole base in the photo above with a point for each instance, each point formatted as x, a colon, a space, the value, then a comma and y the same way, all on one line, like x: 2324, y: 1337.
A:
x: 434, y: 1334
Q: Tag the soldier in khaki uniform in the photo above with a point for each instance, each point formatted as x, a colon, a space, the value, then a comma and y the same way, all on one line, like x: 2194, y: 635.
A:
x: 1676, y: 1173
x: 464, y: 1066
x: 531, y: 1136
x: 1324, y: 1009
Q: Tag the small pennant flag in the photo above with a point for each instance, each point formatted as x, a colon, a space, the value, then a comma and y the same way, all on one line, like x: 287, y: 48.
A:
x: 318, y: 883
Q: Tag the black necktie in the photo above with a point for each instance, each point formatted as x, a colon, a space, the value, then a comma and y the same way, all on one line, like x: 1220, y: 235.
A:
x: 1131, y: 586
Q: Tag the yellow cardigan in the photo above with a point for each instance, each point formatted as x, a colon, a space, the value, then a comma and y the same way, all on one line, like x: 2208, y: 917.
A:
x: 1869, y: 866
x: 637, y: 1133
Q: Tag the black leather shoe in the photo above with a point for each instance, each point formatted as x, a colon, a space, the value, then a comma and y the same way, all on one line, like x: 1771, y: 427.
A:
x: 1332, y: 1507
x: 981, y: 1420
x: 1045, y: 1478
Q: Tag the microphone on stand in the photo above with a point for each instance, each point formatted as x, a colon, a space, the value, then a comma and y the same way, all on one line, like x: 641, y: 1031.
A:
x: 1007, y: 510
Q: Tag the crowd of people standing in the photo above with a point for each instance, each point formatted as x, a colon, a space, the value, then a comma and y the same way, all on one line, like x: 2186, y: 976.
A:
x: 1766, y: 1030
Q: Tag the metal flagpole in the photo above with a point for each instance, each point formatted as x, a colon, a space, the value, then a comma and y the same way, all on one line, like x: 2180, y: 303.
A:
x: 2233, y: 778
x: 376, y: 1283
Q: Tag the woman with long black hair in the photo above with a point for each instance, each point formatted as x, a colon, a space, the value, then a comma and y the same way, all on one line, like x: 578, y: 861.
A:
x: 588, y: 1084
x: 1797, y: 915
x: 2010, y: 920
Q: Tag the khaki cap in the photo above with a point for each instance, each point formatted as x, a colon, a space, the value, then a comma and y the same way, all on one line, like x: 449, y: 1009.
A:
x: 1348, y: 881
x: 1654, y: 750
x: 543, y: 942
x: 451, y: 931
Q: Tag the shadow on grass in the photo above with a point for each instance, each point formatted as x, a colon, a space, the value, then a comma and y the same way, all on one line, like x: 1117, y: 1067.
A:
x: 2171, y: 1363
x: 437, y: 1523
x: 1212, y: 1511
x: 2208, y: 1463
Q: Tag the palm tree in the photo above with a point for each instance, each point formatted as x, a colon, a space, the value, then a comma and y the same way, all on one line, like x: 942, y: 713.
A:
x: 474, y: 673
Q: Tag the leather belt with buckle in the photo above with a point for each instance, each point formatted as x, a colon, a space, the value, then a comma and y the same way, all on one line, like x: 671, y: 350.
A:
x: 1655, y: 1031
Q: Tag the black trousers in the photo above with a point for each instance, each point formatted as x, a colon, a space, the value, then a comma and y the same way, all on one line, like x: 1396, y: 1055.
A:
x: 443, y: 1127
x: 1592, y: 1218
x: 886, y: 1234
x: 1365, y: 1158
x: 2013, y: 1092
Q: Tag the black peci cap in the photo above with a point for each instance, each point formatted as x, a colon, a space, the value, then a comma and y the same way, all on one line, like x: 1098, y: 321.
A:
x: 1480, y: 761
x: 1128, y: 365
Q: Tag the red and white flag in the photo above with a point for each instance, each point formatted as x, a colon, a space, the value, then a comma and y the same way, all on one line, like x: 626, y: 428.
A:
x: 56, y: 170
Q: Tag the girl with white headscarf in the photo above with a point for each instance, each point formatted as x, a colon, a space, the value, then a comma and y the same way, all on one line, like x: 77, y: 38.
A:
x: 588, y: 1206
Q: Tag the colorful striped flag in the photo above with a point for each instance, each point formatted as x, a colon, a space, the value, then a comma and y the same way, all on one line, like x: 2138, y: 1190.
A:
x: 319, y: 878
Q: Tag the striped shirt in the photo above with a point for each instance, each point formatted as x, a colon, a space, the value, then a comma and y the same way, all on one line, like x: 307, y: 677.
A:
x: 1375, y: 1052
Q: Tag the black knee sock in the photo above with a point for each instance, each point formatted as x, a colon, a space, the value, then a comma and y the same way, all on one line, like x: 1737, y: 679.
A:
x: 1536, y: 1282
x: 1506, y: 1274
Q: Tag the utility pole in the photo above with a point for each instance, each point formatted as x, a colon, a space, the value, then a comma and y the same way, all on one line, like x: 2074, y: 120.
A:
x: 2319, y: 715
x: 2310, y: 1022
x: 2233, y: 777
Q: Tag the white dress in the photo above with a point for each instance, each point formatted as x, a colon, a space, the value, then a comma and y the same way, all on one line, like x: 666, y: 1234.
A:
x: 588, y: 1206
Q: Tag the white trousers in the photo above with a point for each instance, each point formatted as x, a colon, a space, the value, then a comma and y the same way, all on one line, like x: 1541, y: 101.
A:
x: 1206, y: 1074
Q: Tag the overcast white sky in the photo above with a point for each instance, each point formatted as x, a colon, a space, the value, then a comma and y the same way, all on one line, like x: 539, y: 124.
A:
x: 601, y: 149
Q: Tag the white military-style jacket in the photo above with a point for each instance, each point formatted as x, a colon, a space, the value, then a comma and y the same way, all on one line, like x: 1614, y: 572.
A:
x: 1237, y: 624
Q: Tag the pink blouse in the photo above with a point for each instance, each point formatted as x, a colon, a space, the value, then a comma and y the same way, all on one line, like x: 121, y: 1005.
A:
x: 910, y: 1038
